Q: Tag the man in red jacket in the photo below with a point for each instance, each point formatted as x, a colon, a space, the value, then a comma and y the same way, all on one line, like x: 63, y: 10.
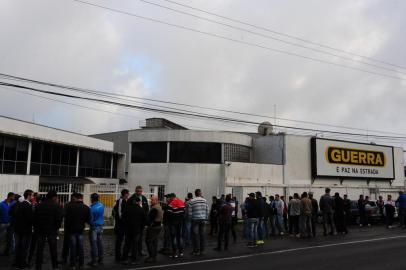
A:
x: 176, y: 214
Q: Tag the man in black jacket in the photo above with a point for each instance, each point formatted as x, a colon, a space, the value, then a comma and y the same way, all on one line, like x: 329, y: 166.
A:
x: 143, y: 202
x: 77, y: 214
x: 47, y: 221
x: 118, y: 224
x: 315, y: 212
x: 23, y: 218
x: 134, y: 220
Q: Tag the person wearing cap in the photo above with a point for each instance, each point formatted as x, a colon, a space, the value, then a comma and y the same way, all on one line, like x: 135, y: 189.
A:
x: 47, y: 221
x: 176, y: 213
x: 96, y: 230
x: 252, y: 209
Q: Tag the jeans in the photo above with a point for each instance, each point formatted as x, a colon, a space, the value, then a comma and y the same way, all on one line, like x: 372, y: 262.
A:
x: 131, y: 245
x: 41, y: 240
x: 224, y: 233
x: 151, y: 240
x: 232, y: 228
x: 279, y: 224
x: 187, y: 233
x: 402, y: 217
x: 261, y: 229
x: 176, y: 237
x: 76, y: 249
x: 306, y: 226
x: 65, y: 247
x: 314, y: 223
x: 199, y: 238
x: 23, y: 241
x: 96, y: 243
x: 252, y: 224
x: 7, y: 237
x: 328, y: 219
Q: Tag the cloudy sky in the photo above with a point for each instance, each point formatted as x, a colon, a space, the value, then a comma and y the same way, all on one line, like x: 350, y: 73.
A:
x: 75, y: 44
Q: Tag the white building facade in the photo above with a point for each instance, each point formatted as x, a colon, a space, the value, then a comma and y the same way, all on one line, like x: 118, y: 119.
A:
x: 179, y: 161
x: 31, y: 155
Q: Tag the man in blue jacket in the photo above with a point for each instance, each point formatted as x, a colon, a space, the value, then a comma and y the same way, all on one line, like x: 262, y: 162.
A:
x: 96, y: 230
x: 401, y: 204
x: 5, y: 228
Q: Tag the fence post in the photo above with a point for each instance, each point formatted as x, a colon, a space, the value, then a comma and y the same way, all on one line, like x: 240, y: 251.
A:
x: 70, y: 192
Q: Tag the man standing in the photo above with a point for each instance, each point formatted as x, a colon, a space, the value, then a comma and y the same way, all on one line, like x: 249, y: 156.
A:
x: 134, y: 220
x: 234, y: 216
x: 294, y: 214
x: 251, y: 208
x: 225, y: 219
x: 261, y: 231
x: 306, y: 216
x: 327, y: 209
x: 214, y: 215
x: 176, y: 213
x: 154, y: 227
x: 6, y: 232
x: 198, y: 211
x: 347, y: 210
x: 401, y: 204
x: 278, y: 207
x: 381, y: 205
x: 47, y: 221
x: 339, y: 214
x: 187, y: 227
x: 23, y: 219
x: 96, y: 230
x: 118, y: 224
x: 363, y: 218
x: 77, y: 214
x: 389, y: 211
x: 315, y: 212
x: 143, y: 202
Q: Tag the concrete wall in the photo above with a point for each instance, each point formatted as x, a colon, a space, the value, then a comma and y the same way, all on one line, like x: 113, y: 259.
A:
x: 268, y: 149
x: 179, y: 178
x: 33, y: 131
x: 17, y: 184
x: 189, y: 136
x: 120, y: 140
x: 252, y: 174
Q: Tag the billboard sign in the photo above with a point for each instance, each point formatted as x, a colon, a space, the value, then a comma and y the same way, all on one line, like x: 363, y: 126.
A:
x: 342, y: 159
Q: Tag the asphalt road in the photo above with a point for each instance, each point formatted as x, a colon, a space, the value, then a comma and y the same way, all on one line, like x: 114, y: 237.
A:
x: 364, y: 248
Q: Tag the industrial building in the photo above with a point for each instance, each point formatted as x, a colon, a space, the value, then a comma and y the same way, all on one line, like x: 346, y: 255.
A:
x: 32, y: 155
x: 166, y: 157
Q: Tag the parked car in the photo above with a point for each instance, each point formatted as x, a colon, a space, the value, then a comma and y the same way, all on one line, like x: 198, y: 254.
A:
x: 373, y: 214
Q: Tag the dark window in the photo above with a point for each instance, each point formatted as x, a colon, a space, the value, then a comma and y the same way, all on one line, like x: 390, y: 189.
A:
x: 148, y: 152
x: 10, y: 151
x: 195, y: 152
x: 9, y: 166
x: 36, y: 152
x: 94, y: 163
x: 46, y: 153
x: 21, y: 167
x: 22, y: 150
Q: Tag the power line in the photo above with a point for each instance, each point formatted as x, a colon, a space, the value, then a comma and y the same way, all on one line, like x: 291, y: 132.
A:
x: 109, y: 94
x: 193, y: 115
x: 240, y: 41
x: 285, y: 34
x: 272, y: 38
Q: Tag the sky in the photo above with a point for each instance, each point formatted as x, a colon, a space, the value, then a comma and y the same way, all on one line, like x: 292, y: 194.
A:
x: 71, y: 43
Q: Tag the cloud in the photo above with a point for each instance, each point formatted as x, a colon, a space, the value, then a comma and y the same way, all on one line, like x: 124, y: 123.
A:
x: 74, y: 44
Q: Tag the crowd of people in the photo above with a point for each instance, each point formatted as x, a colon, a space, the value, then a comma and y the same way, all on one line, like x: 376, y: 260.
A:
x: 28, y: 222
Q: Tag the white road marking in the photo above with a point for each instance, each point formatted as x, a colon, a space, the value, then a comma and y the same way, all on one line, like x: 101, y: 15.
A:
x: 268, y: 253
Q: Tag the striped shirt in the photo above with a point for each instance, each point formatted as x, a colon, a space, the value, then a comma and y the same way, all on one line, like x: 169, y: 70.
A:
x: 198, y: 209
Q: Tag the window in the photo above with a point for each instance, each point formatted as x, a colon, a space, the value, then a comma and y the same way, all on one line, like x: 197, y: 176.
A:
x: 13, y: 155
x: 50, y: 159
x: 94, y: 164
x: 195, y: 152
x: 148, y: 152
x: 237, y: 153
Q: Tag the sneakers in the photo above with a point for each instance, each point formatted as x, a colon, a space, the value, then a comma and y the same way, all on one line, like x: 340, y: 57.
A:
x: 174, y: 256
x: 260, y: 242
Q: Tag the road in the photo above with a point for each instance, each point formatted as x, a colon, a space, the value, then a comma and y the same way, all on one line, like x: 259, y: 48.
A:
x: 365, y: 248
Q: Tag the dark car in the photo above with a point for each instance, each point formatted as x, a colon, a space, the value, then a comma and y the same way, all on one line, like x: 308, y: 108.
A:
x: 373, y: 214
